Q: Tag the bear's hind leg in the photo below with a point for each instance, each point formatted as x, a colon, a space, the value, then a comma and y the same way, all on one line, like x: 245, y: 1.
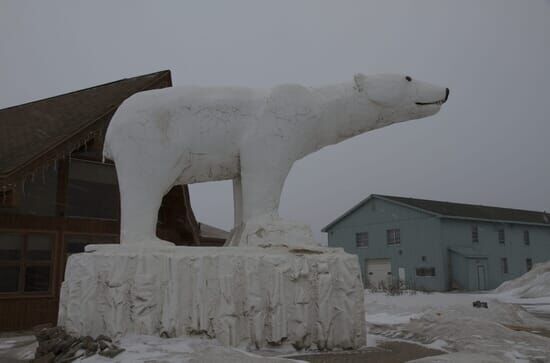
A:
x: 138, y: 218
x: 139, y: 206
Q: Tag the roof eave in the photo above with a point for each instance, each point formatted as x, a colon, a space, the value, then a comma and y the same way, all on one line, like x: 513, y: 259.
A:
x: 438, y: 215
x: 366, y: 200
x: 496, y: 221
x: 346, y: 213
x: 64, y: 147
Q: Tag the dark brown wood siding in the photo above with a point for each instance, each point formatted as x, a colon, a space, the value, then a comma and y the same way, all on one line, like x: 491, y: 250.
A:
x: 23, y: 311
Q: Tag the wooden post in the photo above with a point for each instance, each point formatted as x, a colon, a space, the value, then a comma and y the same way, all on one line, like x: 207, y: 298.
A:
x: 62, y: 185
x: 190, y: 217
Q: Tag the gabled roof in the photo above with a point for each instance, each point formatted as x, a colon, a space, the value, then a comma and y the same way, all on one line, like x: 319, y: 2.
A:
x: 458, y: 211
x: 39, y: 132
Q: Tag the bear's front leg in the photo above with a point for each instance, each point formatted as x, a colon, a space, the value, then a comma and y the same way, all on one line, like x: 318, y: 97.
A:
x: 262, y: 177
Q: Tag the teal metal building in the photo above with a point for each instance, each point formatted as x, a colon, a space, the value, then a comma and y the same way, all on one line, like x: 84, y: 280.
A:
x: 439, y: 246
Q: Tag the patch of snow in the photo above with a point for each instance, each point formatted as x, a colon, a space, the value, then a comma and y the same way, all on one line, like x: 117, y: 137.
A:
x: 438, y: 344
x: 20, y: 348
x: 517, y: 357
x: 145, y: 348
x: 533, y: 284
x: 448, y: 321
x: 470, y: 335
x: 390, y: 319
x: 372, y: 340
x: 531, y: 291
x: 459, y: 358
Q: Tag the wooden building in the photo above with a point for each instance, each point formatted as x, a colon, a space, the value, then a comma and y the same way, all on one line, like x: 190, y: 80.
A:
x: 56, y: 195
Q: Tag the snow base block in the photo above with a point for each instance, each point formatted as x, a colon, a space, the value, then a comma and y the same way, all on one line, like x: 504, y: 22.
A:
x: 253, y: 296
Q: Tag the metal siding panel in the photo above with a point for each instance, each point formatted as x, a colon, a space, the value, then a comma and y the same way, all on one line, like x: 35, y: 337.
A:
x: 420, y: 236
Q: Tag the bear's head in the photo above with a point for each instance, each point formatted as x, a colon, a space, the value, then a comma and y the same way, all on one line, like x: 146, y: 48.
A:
x: 400, y: 97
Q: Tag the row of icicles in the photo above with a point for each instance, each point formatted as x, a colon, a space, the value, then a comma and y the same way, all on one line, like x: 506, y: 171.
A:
x: 46, y: 166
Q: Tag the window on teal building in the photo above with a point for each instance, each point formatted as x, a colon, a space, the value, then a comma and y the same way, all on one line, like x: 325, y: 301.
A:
x: 475, y: 234
x: 501, y: 236
x: 425, y: 271
x: 393, y: 236
x: 362, y: 239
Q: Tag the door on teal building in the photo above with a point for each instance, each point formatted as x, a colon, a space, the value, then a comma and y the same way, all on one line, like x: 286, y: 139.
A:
x: 481, y: 278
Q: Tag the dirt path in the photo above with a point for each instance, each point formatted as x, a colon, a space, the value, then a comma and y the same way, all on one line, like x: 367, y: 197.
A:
x: 387, y: 352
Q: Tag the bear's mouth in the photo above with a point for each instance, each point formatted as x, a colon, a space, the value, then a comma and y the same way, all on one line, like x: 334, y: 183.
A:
x: 439, y: 103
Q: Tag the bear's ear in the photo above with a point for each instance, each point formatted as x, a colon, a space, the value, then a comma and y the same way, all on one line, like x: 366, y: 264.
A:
x: 359, y: 79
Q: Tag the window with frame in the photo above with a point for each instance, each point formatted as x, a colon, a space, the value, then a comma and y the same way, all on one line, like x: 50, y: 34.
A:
x: 504, y: 265
x: 362, y: 239
x: 26, y: 262
x: 501, y: 236
x: 526, y: 238
x: 475, y: 234
x: 425, y: 271
x: 529, y: 264
x: 393, y: 236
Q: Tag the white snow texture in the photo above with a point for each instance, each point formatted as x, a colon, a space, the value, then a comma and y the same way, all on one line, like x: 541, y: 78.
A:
x: 254, y: 297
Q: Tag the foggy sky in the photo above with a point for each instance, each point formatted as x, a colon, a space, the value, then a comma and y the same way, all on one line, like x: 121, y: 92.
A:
x: 488, y: 145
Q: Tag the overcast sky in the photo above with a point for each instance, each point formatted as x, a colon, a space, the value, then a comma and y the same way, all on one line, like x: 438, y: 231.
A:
x: 488, y: 145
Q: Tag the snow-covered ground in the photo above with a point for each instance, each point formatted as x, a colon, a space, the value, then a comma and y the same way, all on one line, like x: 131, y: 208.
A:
x: 445, y: 321
x: 532, y: 290
x: 449, y: 321
x: 142, y: 348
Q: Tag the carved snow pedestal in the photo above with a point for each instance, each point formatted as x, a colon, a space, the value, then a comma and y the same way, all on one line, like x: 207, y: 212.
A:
x: 256, y: 297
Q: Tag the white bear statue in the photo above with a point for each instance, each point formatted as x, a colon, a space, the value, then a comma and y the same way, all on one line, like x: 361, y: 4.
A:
x: 185, y: 135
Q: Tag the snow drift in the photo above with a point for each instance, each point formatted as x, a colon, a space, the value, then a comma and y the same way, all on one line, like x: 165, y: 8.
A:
x: 533, y: 284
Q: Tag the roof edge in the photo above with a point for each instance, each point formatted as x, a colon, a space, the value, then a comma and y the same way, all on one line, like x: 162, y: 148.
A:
x: 57, y: 151
x: 160, y: 73
x: 367, y: 199
x: 496, y: 220
x: 347, y: 213
x: 446, y: 216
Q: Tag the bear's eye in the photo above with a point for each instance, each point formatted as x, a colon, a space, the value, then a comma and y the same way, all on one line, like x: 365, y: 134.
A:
x: 409, y: 79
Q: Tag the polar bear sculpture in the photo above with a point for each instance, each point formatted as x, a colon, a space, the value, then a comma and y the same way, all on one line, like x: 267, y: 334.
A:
x: 186, y: 135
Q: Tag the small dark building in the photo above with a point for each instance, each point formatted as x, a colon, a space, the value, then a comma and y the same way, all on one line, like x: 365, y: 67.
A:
x: 57, y: 195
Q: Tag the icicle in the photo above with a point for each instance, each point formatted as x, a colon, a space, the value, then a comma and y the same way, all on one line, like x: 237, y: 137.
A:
x: 85, y: 147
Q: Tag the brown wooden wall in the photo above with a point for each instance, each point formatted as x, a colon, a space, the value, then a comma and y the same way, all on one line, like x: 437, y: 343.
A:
x: 23, y: 311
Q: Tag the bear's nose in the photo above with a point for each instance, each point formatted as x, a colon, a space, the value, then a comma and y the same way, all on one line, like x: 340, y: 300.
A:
x: 446, y: 95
